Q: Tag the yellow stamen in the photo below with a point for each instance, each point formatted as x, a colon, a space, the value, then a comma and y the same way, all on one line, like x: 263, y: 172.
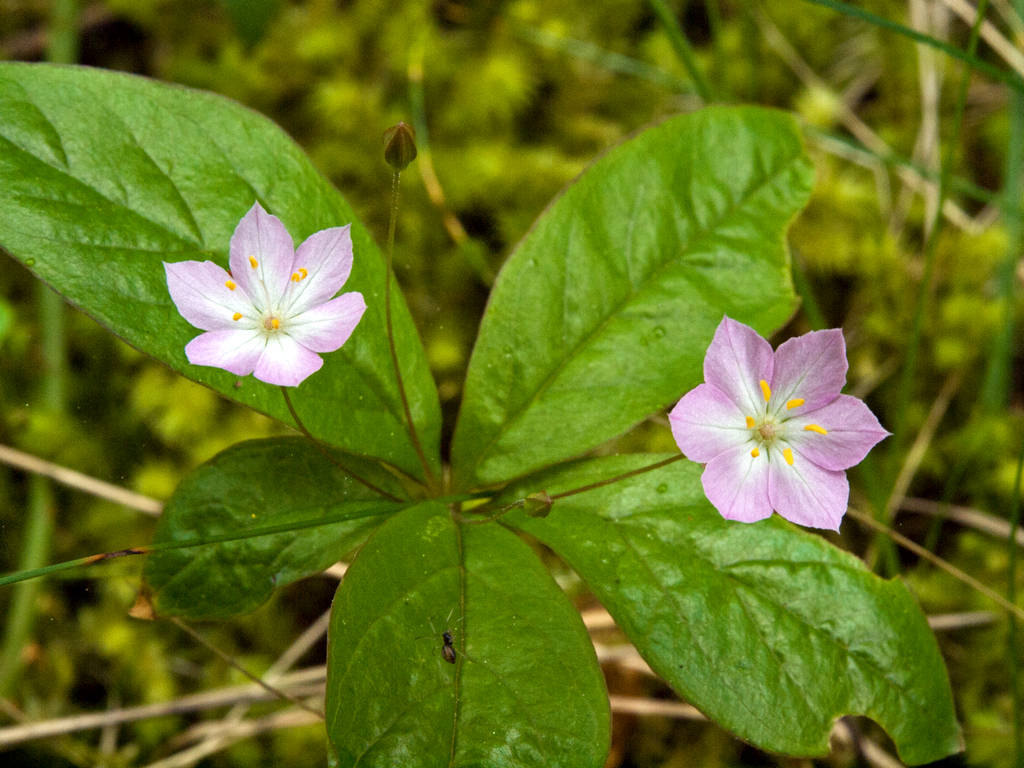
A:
x: 299, y: 276
x: 252, y: 260
x: 231, y: 285
x: 815, y: 428
x: 787, y: 454
x: 750, y: 422
x: 755, y: 453
x: 765, y: 390
x: 275, y: 323
x: 796, y: 402
x: 236, y: 316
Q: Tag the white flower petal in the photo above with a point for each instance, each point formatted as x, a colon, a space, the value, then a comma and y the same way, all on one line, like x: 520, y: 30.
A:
x: 322, y: 265
x: 236, y: 351
x: 736, y: 483
x: 706, y: 422
x: 286, y: 362
x: 262, y: 238
x: 326, y: 327
x: 736, y: 361
x: 200, y: 290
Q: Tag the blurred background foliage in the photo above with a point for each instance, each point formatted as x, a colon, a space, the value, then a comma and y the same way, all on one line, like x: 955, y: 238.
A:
x: 510, y: 101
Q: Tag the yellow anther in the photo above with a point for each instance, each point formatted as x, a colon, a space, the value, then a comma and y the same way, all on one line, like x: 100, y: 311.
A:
x: 275, y: 323
x: 253, y: 262
x: 787, y: 454
x: 231, y: 285
x: 750, y: 422
x: 765, y: 390
x: 236, y: 316
x: 796, y: 402
x: 300, y: 275
x: 755, y: 453
x: 815, y: 428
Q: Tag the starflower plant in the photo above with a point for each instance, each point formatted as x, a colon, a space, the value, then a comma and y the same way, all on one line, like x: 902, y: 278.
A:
x: 598, y: 318
x: 272, y: 315
x: 773, y: 428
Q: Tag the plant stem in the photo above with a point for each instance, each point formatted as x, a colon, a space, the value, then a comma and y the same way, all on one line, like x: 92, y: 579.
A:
x: 62, y: 49
x: 379, y: 509
x: 617, y: 478
x: 682, y: 48
x: 1011, y: 79
x: 912, y: 546
x: 582, y: 489
x: 1011, y: 596
x: 933, y: 231
x: 388, y: 276
x: 327, y: 454
x: 273, y: 690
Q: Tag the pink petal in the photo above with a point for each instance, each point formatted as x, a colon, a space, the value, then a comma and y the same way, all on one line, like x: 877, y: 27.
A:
x: 736, y: 360
x: 806, y: 494
x: 327, y: 258
x: 286, y: 362
x: 736, y: 484
x: 852, y: 430
x: 706, y: 422
x: 264, y: 238
x: 199, y: 290
x: 326, y: 327
x: 811, y: 367
x: 236, y: 351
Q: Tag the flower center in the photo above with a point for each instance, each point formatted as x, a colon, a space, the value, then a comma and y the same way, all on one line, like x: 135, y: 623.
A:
x: 272, y: 323
x: 769, y: 426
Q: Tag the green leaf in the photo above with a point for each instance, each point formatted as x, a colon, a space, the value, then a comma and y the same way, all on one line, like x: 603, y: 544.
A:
x: 602, y: 314
x: 769, y: 630
x: 524, y: 689
x: 104, y: 176
x: 313, y: 512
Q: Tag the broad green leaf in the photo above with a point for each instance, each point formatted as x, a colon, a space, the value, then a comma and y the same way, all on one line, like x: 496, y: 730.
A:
x: 602, y: 314
x: 273, y: 484
x: 104, y: 176
x: 769, y: 630
x: 524, y: 689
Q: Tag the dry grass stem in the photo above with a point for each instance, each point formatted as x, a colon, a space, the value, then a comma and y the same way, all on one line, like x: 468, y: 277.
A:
x: 849, y: 119
x: 304, y: 683
x: 635, y: 705
x: 916, y: 453
x: 289, y: 718
x: 78, y: 481
x: 965, y: 516
x: 924, y: 554
x: 990, y: 34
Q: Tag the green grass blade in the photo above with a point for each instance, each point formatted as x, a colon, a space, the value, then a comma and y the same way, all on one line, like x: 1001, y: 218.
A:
x: 1011, y: 79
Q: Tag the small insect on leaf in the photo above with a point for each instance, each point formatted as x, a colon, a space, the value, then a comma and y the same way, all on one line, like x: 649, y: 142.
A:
x: 448, y: 651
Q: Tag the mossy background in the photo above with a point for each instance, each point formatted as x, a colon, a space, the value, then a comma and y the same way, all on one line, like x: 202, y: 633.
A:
x: 511, y: 100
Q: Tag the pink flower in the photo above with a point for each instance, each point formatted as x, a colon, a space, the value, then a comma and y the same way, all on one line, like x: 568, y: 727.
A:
x: 273, y: 312
x: 772, y: 427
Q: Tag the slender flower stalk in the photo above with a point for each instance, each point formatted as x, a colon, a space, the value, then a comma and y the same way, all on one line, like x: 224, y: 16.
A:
x: 327, y: 454
x: 399, y: 151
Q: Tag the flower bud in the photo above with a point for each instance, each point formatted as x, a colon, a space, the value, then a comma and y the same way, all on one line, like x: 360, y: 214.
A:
x: 399, y: 146
x: 538, y: 504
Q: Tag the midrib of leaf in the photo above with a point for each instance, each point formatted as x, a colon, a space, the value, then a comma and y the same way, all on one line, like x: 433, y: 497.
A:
x: 636, y: 290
